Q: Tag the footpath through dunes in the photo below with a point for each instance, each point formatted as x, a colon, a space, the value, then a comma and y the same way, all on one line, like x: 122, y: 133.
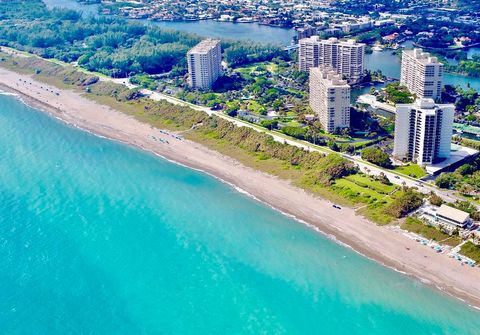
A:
x: 383, y: 244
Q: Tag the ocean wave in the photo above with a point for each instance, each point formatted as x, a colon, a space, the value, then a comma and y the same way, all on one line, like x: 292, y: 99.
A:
x: 8, y: 93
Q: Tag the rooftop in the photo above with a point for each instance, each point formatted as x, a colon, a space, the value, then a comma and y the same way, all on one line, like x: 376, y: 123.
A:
x: 204, y: 46
x: 453, y: 214
x: 328, y: 73
x: 426, y: 105
x: 457, y: 154
x: 331, y: 40
x: 421, y: 56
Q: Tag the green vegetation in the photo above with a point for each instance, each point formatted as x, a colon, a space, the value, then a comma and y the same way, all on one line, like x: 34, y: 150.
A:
x: 435, y: 199
x: 407, y: 201
x: 144, y: 80
x: 369, y: 182
x: 465, y: 179
x: 113, y: 47
x: 470, y: 67
x: 412, y: 170
x: 466, y: 100
x: 397, y: 94
x: 416, y: 226
x: 330, y: 176
x: 446, y: 180
x: 467, y: 142
x: 377, y: 157
x: 471, y: 251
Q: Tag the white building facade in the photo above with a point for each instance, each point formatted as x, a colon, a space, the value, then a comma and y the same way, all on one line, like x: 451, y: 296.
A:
x: 345, y: 57
x: 204, y: 64
x: 423, y: 131
x: 330, y: 98
x: 422, y: 74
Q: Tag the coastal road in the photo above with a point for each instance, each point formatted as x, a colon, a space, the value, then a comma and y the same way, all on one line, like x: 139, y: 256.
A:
x: 364, y: 166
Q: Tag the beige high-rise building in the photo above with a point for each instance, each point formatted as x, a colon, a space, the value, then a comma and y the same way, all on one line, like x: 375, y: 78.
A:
x: 422, y: 74
x: 204, y: 64
x: 345, y: 57
x: 330, y: 98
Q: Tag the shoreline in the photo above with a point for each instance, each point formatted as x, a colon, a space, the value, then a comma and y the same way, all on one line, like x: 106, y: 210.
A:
x: 381, y: 244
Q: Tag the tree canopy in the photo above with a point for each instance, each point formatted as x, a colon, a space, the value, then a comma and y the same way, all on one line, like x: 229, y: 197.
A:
x: 377, y: 157
x: 111, y: 46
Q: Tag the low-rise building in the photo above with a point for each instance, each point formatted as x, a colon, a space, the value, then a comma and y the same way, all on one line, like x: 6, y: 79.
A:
x: 446, y: 218
x: 452, y: 216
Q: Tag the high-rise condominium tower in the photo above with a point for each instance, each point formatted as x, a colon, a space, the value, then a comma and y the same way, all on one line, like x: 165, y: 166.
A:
x: 345, y: 57
x: 423, y: 131
x: 204, y: 64
x: 330, y: 98
x: 422, y: 74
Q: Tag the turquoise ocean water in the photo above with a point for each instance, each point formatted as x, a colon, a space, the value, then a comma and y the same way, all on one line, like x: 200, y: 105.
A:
x: 100, y: 238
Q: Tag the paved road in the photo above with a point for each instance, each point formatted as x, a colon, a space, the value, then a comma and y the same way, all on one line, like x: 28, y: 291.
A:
x: 365, y: 167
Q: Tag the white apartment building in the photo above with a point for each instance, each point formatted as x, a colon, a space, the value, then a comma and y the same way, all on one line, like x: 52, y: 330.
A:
x: 361, y: 24
x: 204, y: 64
x: 345, y: 57
x: 330, y: 98
x: 423, y: 131
x: 422, y: 74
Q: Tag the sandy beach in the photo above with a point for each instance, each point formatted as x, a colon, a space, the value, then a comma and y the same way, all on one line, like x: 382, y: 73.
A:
x: 383, y: 244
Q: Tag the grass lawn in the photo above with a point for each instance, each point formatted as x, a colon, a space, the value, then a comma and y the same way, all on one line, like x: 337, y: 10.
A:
x: 471, y: 250
x: 416, y: 226
x: 365, y: 181
x: 362, y: 190
x: 261, y: 66
x: 356, y: 193
x: 412, y: 170
x: 294, y: 123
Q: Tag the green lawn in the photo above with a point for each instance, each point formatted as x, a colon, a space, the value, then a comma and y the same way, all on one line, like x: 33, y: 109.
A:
x: 471, y: 250
x: 370, y: 194
x: 416, y: 226
x: 365, y: 181
x: 356, y: 193
x: 293, y: 123
x: 412, y: 170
